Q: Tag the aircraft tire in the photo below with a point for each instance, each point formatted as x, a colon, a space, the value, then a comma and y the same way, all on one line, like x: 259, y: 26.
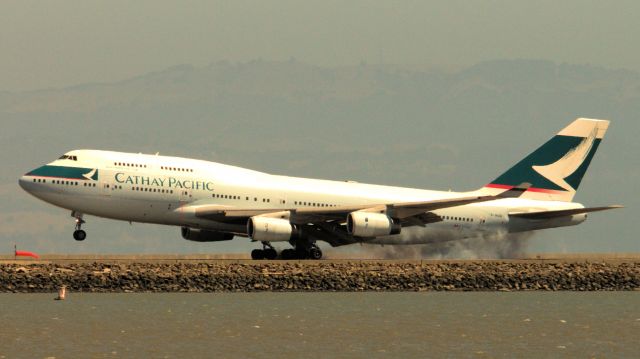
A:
x: 301, y: 254
x: 270, y: 254
x: 315, y: 253
x: 257, y: 254
x: 79, y: 235
x: 288, y: 254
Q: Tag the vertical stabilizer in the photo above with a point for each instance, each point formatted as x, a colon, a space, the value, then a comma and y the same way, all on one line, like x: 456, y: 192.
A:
x: 555, y: 170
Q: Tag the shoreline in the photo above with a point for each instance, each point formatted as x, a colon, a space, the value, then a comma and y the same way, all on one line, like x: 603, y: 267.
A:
x: 238, y: 275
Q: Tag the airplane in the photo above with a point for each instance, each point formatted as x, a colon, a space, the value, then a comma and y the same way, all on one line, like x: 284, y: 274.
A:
x: 215, y: 202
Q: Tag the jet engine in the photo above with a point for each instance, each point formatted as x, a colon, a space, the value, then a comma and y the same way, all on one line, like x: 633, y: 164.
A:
x: 269, y: 229
x: 367, y: 224
x: 201, y: 235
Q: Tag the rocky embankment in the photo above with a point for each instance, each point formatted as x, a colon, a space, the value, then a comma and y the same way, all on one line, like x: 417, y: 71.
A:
x: 319, y: 276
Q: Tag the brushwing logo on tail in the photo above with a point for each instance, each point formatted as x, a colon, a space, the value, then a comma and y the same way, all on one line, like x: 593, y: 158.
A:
x: 558, y: 171
x: 93, y: 175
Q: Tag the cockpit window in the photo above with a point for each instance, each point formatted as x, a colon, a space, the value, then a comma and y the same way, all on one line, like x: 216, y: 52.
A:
x: 67, y: 157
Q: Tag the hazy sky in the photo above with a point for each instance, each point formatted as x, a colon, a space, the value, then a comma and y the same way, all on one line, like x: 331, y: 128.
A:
x: 61, y: 43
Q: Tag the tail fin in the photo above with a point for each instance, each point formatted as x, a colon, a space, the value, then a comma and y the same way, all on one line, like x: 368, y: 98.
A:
x: 556, y: 168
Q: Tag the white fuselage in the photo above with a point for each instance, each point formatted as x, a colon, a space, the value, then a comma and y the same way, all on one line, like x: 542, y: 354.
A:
x: 160, y: 189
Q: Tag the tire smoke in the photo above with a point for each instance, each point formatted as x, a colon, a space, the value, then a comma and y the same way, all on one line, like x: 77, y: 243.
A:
x: 489, y: 246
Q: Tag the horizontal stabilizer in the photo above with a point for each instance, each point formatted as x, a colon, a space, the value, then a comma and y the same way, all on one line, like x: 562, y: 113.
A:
x: 561, y: 213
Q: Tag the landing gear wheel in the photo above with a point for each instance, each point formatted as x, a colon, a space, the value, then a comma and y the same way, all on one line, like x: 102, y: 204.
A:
x: 288, y: 254
x: 257, y: 254
x: 299, y: 253
x: 315, y: 253
x: 270, y: 253
x: 79, y: 235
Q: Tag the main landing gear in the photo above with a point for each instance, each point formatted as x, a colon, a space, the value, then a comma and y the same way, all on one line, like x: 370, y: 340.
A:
x: 267, y: 252
x: 300, y: 252
x: 79, y: 234
x: 313, y: 252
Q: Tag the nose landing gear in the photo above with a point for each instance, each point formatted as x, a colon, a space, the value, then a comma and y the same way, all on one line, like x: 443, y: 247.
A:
x: 79, y: 234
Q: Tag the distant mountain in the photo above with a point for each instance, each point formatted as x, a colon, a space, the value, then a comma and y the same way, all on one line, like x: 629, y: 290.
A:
x: 298, y: 82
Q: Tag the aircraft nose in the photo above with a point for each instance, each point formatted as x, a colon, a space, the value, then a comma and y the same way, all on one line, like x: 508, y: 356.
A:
x: 23, y: 182
x: 27, y: 182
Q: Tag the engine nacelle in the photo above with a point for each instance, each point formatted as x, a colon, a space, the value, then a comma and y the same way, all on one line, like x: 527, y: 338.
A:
x: 201, y: 235
x: 367, y: 224
x: 269, y: 229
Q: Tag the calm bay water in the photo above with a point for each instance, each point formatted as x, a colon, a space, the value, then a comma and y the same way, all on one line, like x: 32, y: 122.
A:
x: 312, y: 325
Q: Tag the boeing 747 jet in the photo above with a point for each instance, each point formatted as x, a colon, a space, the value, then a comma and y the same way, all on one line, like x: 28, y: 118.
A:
x: 216, y: 202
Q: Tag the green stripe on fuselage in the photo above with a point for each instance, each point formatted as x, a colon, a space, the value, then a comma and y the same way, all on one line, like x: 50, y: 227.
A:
x: 63, y: 172
x: 550, y: 152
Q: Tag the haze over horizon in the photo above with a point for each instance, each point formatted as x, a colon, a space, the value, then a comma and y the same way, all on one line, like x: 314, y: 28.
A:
x: 64, y: 43
x: 444, y: 96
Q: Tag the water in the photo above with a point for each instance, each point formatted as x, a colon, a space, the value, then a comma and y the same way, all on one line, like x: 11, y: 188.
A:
x: 313, y: 325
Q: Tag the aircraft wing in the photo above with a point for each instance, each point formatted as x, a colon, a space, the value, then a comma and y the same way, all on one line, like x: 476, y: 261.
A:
x: 409, y: 213
x: 561, y: 213
x: 328, y: 224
